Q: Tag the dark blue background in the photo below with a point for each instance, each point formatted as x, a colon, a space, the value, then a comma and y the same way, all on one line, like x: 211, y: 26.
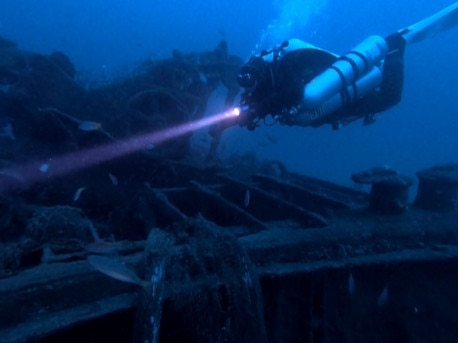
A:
x: 106, y: 37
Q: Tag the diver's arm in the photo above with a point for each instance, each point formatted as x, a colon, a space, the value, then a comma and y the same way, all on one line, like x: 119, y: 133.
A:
x: 229, y: 81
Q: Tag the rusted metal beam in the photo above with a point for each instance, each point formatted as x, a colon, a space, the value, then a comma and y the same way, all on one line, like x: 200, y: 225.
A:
x: 264, y: 201
x: 322, y: 197
x: 245, y: 217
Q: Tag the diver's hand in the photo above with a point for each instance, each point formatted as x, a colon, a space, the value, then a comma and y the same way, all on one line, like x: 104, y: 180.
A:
x: 288, y: 115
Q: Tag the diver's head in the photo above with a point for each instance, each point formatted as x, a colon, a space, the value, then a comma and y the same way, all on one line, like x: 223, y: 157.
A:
x: 252, y: 73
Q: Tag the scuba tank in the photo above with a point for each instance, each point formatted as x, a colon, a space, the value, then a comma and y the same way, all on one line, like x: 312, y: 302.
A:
x: 348, y: 69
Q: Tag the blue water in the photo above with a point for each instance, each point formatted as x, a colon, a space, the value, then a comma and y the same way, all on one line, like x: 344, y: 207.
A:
x: 108, y: 37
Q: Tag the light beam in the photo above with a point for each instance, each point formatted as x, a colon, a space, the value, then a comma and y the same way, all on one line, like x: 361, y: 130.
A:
x: 44, y: 170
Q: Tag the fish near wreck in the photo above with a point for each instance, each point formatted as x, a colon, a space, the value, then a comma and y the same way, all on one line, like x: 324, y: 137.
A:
x: 114, y: 269
x: 149, y: 309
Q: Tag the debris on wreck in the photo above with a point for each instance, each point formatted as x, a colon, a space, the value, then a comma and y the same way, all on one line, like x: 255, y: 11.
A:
x: 229, y: 309
x: 389, y: 190
x: 56, y: 233
x: 438, y: 188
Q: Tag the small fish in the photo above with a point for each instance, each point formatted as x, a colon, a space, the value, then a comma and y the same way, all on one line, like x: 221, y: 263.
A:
x: 44, y: 167
x: 246, y: 201
x: 114, y: 269
x: 351, y: 284
x: 77, y: 194
x: 89, y: 126
x: 113, y: 179
x: 383, y: 297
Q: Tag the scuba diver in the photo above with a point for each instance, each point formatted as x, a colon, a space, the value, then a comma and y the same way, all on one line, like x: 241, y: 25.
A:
x: 300, y: 84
